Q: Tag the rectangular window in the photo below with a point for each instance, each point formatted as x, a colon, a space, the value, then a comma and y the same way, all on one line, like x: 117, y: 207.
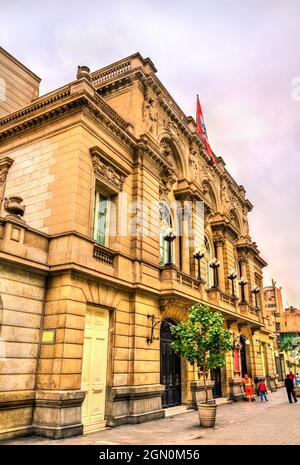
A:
x: 101, y: 219
x: 278, y: 327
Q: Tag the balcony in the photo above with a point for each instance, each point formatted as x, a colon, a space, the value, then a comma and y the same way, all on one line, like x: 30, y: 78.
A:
x: 103, y: 255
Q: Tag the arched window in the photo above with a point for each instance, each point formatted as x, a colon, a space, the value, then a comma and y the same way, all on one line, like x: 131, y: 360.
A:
x: 208, y: 257
x: 165, y: 222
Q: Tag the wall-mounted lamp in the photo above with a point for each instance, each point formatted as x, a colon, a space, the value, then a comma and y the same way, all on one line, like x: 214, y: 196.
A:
x: 232, y: 276
x: 153, y: 324
x: 236, y: 344
x: 255, y: 291
x: 214, y: 264
x: 169, y: 236
x: 242, y: 282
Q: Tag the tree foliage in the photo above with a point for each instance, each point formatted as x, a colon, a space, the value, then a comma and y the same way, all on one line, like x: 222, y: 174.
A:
x: 202, y: 340
x: 291, y: 345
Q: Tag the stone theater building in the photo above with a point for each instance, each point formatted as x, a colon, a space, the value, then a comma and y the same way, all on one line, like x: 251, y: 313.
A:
x: 85, y: 302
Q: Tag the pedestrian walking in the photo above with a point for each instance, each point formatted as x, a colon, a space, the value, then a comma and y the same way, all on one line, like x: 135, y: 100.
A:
x: 262, y: 390
x: 292, y: 376
x: 297, y: 379
x: 289, y: 386
x: 248, y: 386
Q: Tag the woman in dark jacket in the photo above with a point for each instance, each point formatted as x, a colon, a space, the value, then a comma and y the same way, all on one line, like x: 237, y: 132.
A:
x: 289, y: 386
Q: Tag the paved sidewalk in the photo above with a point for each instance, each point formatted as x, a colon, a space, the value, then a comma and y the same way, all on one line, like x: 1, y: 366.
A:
x: 273, y: 422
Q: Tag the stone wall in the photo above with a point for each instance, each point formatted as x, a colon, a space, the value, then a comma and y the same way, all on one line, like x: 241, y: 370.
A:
x: 22, y: 294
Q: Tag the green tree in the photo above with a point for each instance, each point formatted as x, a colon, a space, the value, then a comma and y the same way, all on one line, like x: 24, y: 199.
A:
x: 202, y: 340
x: 291, y: 345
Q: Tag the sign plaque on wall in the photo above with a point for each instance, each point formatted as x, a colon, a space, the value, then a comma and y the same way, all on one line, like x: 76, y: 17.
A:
x: 48, y: 336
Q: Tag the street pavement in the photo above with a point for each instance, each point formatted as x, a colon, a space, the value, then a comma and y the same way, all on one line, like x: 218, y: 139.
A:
x: 260, y: 423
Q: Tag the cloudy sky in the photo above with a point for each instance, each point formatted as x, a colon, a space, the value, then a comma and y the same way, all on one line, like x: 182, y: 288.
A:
x: 241, y: 57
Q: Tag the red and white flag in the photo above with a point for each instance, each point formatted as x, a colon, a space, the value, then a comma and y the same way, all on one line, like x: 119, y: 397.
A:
x: 201, y: 128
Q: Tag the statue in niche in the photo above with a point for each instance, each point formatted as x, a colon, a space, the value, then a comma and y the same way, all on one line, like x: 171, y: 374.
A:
x: 225, y: 197
x: 193, y: 165
x: 168, y: 153
x: 150, y: 115
x: 245, y: 221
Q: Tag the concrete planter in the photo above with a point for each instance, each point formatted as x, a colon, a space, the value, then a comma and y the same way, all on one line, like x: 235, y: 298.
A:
x: 207, y: 414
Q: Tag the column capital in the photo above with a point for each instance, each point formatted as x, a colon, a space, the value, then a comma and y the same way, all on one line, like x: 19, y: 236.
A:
x: 230, y: 322
x: 219, y: 241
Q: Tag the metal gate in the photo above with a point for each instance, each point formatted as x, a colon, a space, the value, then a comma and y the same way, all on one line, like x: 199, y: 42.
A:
x: 215, y: 374
x: 170, y: 373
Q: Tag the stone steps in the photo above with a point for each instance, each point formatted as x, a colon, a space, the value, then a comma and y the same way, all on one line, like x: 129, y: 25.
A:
x: 176, y: 410
x: 222, y: 401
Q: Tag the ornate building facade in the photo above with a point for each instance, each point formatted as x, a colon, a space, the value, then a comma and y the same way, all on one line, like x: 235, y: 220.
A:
x: 84, y: 302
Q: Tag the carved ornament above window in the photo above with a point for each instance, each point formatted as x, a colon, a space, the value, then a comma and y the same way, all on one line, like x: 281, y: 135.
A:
x: 108, y: 171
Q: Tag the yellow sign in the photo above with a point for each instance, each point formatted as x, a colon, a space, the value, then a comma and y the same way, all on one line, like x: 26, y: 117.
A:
x: 48, y: 336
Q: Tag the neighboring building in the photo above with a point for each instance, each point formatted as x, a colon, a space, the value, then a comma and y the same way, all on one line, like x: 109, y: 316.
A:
x: 81, y: 294
x: 291, y: 328
x: 18, y: 85
x: 291, y: 322
x: 275, y: 314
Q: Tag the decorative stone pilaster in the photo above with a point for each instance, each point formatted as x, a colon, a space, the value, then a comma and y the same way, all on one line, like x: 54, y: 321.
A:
x: 235, y: 389
x: 5, y: 164
x: 198, y: 392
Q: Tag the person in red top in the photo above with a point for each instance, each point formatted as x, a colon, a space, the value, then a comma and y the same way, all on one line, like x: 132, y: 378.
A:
x: 292, y: 376
x: 262, y: 389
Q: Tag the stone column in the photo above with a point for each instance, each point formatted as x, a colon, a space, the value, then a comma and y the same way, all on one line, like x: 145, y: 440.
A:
x: 59, y: 397
x: 219, y: 242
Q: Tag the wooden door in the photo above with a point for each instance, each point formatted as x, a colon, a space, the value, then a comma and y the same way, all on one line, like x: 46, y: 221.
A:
x: 94, y: 369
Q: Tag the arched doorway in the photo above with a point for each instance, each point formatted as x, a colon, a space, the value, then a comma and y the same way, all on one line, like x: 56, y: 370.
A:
x: 170, y: 372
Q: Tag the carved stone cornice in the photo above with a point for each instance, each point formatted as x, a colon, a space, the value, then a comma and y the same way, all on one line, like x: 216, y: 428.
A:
x: 248, y: 248
x: 221, y: 223
x: 108, y: 170
x: 75, y: 97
